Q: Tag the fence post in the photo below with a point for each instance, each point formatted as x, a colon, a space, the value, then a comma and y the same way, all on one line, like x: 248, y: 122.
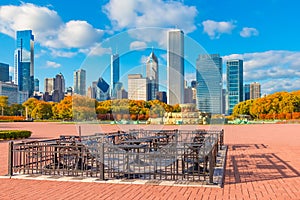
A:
x: 101, y: 161
x: 10, y: 158
x: 211, y: 167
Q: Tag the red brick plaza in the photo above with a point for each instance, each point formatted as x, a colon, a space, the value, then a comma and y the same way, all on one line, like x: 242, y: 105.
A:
x: 263, y: 162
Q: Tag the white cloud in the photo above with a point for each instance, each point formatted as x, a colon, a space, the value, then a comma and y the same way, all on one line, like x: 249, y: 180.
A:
x: 248, y: 32
x: 216, y: 29
x: 150, y: 13
x: 62, y: 53
x: 96, y: 50
x: 52, y: 64
x: 281, y: 68
x: 138, y: 45
x: 48, y: 28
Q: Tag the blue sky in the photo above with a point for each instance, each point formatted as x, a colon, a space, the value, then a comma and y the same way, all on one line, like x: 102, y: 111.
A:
x: 69, y: 36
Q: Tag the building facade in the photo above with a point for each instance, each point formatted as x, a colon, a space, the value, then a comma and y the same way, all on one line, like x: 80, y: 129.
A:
x: 255, y: 90
x: 36, y: 85
x: 11, y: 91
x: 4, y: 72
x: 24, y: 61
x: 137, y: 87
x: 114, y: 73
x: 175, y: 67
x: 234, y: 83
x: 80, y: 82
x: 209, y: 83
x: 100, y: 90
x: 152, y: 75
x: 59, y: 88
x: 161, y: 96
x: 49, y: 85
x: 246, y: 92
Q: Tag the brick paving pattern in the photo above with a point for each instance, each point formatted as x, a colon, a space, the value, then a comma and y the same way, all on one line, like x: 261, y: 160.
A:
x: 263, y: 162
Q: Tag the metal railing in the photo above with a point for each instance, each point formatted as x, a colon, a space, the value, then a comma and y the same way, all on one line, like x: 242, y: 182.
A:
x: 139, y: 154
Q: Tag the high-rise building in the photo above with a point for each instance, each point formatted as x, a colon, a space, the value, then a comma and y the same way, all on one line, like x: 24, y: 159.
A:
x: 234, y: 83
x: 152, y: 75
x: 4, y: 72
x: 137, y: 87
x: 59, y: 88
x: 49, y: 85
x: 100, y: 90
x: 255, y: 90
x: 246, y: 92
x: 80, y: 82
x: 36, y: 85
x: 194, y: 84
x: 188, y: 95
x: 114, y: 73
x: 10, y: 90
x: 24, y: 61
x: 209, y: 83
x: 175, y: 67
x: 162, y: 96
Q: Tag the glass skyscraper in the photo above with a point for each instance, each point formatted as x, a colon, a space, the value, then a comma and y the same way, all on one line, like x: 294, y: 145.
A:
x: 152, y: 75
x: 4, y: 72
x: 114, y: 73
x: 24, y: 61
x: 175, y: 67
x: 209, y: 83
x: 80, y: 82
x: 234, y: 83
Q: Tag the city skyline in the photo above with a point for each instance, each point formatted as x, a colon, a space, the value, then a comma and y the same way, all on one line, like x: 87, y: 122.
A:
x: 229, y: 32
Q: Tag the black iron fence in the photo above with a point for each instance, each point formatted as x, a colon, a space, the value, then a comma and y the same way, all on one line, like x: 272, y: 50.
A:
x: 138, y: 154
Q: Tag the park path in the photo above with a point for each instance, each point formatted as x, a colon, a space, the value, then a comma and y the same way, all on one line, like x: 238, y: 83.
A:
x: 263, y: 162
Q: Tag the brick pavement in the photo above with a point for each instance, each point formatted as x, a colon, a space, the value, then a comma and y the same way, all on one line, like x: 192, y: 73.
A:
x: 263, y: 162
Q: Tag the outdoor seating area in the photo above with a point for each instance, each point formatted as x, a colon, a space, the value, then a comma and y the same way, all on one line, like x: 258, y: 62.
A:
x: 176, y: 155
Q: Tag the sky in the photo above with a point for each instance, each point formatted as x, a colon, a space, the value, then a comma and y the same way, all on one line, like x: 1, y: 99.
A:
x: 83, y: 34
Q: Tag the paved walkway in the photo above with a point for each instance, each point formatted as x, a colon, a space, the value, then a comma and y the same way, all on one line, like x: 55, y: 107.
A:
x: 263, y: 162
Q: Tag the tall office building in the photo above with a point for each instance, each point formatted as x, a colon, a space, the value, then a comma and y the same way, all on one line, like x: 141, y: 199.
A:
x: 49, y: 85
x: 80, y: 82
x: 24, y: 61
x: 100, y: 90
x: 59, y: 88
x: 209, y: 83
x: 234, y: 83
x: 255, y: 90
x: 152, y: 75
x: 137, y: 87
x: 175, y: 67
x: 246, y: 92
x: 114, y: 74
x: 4, y: 72
x: 36, y: 85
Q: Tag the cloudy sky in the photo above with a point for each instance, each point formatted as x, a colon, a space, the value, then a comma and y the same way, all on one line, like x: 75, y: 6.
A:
x: 72, y: 35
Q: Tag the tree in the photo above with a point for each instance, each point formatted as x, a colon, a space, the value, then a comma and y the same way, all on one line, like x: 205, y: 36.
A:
x: 43, y: 110
x: 3, y: 103
x: 30, y: 104
x: 16, y: 110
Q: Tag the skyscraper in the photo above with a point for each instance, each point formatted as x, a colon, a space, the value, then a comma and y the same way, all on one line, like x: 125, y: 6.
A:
x: 49, y: 85
x: 36, y: 85
x: 4, y: 72
x: 209, y: 83
x: 114, y: 73
x: 59, y: 88
x: 175, y: 67
x: 100, y: 90
x: 24, y: 61
x: 80, y: 82
x: 255, y: 90
x: 234, y: 83
x: 246, y: 92
x: 152, y: 75
x: 137, y: 87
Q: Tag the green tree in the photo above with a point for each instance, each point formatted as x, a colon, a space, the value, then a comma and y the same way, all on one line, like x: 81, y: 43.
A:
x: 30, y: 104
x: 43, y: 110
x: 3, y: 103
x: 16, y: 110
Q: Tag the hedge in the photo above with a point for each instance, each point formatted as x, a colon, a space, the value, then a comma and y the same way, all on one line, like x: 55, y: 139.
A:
x: 14, y: 134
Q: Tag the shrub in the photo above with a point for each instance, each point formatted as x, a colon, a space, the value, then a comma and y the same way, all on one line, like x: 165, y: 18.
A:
x: 14, y: 134
x: 12, y: 118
